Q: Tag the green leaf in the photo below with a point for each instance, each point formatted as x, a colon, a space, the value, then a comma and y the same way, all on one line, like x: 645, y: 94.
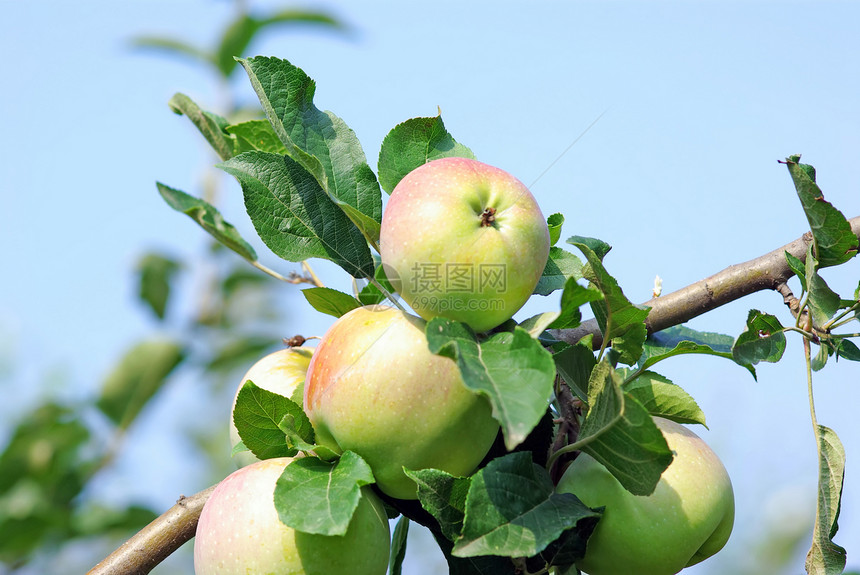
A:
x: 664, y: 341
x: 573, y: 297
x: 663, y: 398
x: 621, y: 322
x: 239, y: 34
x: 320, y: 497
x: 209, y: 218
x: 96, y: 520
x: 21, y: 536
x: 599, y: 247
x: 55, y: 433
x: 574, y: 365
x: 444, y: 497
x: 239, y: 352
x: 398, y: 546
x: 330, y: 301
x: 156, y: 271
x: 412, y: 144
x: 486, y: 565
x: 679, y: 340
x: 138, y: 376
x: 171, y: 46
x: 238, y: 448
x: 299, y: 436
x: 554, y: 223
x: 763, y: 340
x: 256, y: 416
x: 243, y: 278
x: 825, y: 557
x: 619, y: 433
x: 256, y: 135
x: 512, y: 510
x: 847, y: 349
x: 210, y: 125
x: 798, y: 267
x: 560, y: 266
x: 511, y: 369
x: 294, y: 217
x: 835, y: 243
x: 370, y: 294
x: 565, y: 551
x: 318, y: 141
x: 825, y: 350
x: 234, y: 41
x: 842, y: 348
x: 47, y: 459
x: 823, y: 302
x: 537, y: 324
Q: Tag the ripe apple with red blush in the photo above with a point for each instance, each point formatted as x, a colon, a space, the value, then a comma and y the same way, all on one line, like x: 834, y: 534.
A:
x: 239, y: 532
x: 463, y: 240
x: 374, y: 387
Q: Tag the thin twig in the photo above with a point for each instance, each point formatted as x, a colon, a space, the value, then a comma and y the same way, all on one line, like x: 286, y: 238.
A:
x: 309, y: 271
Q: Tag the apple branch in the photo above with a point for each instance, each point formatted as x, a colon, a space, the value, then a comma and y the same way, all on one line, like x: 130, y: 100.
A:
x: 155, y: 542
x: 767, y: 272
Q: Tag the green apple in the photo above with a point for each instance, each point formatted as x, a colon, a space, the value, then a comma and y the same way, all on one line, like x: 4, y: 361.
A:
x: 374, y: 388
x: 463, y: 240
x: 687, y: 519
x: 239, y: 532
x: 282, y: 372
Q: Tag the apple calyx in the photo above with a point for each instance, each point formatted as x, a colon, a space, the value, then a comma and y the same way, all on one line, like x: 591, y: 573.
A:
x: 295, y: 341
x: 488, y: 217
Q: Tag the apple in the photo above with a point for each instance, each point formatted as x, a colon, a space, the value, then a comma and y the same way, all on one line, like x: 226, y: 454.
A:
x: 463, y: 240
x: 239, y: 532
x: 374, y: 388
x: 282, y: 372
x: 687, y: 519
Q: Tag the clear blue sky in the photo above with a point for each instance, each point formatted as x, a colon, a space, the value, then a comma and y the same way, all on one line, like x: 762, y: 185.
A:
x: 680, y: 175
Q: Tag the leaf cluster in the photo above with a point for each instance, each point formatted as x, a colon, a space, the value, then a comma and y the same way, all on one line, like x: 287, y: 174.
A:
x: 57, y: 448
x: 310, y: 193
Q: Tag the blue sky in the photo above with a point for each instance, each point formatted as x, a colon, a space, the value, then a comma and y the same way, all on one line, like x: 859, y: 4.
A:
x: 680, y: 175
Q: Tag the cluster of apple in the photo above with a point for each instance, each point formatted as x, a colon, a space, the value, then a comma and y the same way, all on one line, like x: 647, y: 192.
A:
x: 465, y: 241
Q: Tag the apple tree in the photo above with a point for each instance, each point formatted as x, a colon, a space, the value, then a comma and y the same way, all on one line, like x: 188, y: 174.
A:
x: 466, y: 421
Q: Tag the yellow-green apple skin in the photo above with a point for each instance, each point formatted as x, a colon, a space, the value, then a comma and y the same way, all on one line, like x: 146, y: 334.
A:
x: 374, y: 388
x: 463, y: 240
x: 282, y: 372
x: 687, y: 519
x: 239, y: 532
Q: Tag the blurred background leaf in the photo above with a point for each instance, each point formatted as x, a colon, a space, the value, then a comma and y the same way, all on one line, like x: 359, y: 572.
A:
x: 228, y: 315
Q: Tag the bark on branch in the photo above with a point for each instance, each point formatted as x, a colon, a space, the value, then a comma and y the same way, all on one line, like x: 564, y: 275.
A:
x: 156, y: 541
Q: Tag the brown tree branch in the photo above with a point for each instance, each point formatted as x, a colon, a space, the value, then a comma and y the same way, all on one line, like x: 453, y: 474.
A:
x: 767, y: 272
x: 156, y: 541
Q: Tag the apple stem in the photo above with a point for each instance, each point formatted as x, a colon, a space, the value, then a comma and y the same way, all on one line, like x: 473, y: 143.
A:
x: 808, y: 353
x: 607, y: 330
